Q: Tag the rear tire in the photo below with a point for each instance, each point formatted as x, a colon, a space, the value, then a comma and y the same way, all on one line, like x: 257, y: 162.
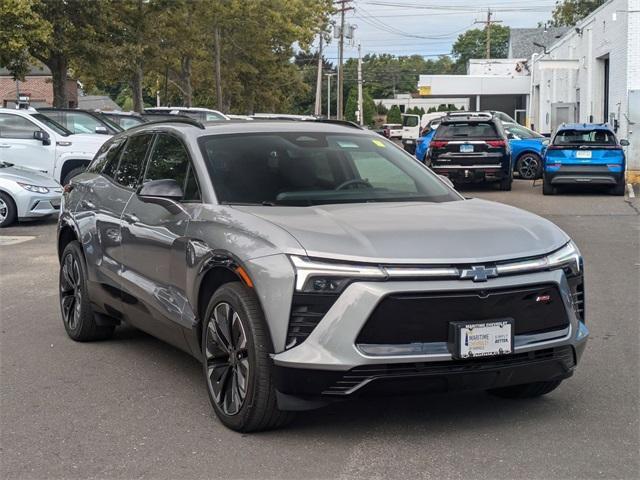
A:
x: 547, y: 188
x: 8, y: 210
x: 73, y: 173
x: 237, y: 368
x: 75, y: 305
x: 527, y: 390
x: 505, y: 184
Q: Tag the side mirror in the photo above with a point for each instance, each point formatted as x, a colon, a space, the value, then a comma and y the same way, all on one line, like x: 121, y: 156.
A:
x: 103, y: 130
x: 511, y: 136
x: 624, y: 142
x: 447, y: 180
x: 166, y: 188
x: 42, y: 136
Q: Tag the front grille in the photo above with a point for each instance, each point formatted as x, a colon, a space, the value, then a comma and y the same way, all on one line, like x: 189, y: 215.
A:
x: 423, y: 318
x: 360, y: 376
x: 307, y: 310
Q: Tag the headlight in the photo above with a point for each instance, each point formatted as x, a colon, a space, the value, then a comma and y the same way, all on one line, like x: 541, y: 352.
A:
x: 324, y: 277
x: 568, y: 257
x: 34, y: 188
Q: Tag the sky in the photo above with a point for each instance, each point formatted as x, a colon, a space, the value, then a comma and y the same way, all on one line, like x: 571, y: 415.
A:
x: 429, y: 27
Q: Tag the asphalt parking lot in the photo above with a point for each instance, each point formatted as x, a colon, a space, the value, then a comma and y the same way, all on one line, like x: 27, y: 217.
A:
x: 133, y: 407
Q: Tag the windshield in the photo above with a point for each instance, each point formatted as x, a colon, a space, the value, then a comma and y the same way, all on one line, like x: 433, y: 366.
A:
x: 53, y: 125
x: 464, y: 130
x: 585, y: 137
x: 302, y: 169
x: 522, y: 132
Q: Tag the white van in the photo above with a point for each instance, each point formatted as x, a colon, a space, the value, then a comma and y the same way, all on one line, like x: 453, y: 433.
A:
x: 412, y: 125
x: 31, y: 139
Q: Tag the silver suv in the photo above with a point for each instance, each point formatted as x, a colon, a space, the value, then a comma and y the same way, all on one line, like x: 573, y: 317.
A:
x: 308, y: 262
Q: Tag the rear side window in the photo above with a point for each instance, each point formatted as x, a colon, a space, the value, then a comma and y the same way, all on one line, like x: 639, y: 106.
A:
x: 410, y: 121
x: 170, y: 160
x: 106, y: 160
x: 584, y: 137
x: 132, y: 160
x: 464, y: 130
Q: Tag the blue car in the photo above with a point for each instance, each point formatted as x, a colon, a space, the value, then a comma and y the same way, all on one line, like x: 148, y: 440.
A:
x: 584, y: 154
x: 422, y: 145
x: 527, y: 149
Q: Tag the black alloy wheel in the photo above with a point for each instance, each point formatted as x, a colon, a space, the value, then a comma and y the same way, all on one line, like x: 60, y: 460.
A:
x: 227, y: 359
x: 70, y: 292
x: 529, y: 166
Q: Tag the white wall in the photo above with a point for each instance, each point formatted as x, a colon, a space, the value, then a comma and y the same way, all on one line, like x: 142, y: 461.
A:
x: 425, y: 103
x: 612, y: 31
x: 499, y: 67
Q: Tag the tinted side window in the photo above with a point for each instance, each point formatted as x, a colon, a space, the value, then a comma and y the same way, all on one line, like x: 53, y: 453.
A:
x: 58, y: 117
x: 132, y: 160
x: 170, y: 160
x: 106, y: 160
x: 82, y: 123
x: 15, y: 126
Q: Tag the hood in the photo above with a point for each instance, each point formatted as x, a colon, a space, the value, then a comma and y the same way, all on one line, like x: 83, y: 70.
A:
x: 84, y: 141
x: 466, y: 231
x: 28, y: 175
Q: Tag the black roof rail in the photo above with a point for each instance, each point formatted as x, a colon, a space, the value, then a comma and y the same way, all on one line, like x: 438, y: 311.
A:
x: 178, y: 119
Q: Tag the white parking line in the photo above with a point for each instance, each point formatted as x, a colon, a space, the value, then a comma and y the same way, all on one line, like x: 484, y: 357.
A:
x: 6, y: 240
x: 632, y: 194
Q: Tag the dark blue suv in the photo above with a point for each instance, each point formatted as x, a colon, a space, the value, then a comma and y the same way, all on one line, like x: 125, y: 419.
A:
x: 584, y: 153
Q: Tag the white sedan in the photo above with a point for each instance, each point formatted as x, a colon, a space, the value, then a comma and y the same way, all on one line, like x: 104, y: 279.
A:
x: 26, y: 194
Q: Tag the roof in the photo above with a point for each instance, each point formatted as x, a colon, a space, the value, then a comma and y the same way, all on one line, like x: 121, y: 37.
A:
x: 97, y: 102
x: 586, y: 126
x: 521, y: 40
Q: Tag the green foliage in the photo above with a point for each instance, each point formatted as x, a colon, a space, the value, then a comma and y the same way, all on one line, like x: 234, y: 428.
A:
x: 381, y: 109
x: 432, y: 110
x: 20, y: 27
x: 569, y: 12
x: 473, y: 44
x: 394, y: 115
x: 368, y: 107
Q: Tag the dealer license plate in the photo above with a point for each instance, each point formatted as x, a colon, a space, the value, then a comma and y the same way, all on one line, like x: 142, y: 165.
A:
x: 583, y: 154
x: 483, y: 339
x: 466, y: 148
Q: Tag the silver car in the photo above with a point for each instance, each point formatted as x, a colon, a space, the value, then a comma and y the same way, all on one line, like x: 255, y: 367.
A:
x: 26, y: 194
x: 308, y: 262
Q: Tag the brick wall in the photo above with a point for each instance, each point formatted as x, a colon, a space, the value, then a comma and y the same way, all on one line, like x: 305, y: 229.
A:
x: 39, y: 89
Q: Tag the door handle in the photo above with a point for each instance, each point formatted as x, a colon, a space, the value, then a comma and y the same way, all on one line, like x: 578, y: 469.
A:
x: 87, y: 204
x: 130, y: 218
x: 4, y: 145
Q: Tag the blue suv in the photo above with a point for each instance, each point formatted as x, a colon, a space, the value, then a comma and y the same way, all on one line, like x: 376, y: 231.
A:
x: 584, y: 154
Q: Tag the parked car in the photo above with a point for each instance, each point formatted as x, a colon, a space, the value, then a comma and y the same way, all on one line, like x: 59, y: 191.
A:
x: 422, y: 144
x: 527, y: 148
x: 200, y: 114
x: 471, y: 148
x: 81, y: 121
x: 585, y: 154
x: 413, y: 126
x: 125, y: 120
x: 26, y: 194
x: 392, y: 130
x: 309, y: 262
x: 31, y: 139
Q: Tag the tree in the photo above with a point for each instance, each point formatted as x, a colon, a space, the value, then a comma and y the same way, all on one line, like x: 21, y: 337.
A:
x: 20, y: 27
x: 569, y: 12
x: 381, y: 109
x: 394, y: 115
x: 368, y: 107
x: 473, y: 44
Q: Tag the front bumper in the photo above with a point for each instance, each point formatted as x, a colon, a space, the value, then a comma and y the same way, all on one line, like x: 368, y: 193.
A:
x: 331, y: 357
x: 37, y: 205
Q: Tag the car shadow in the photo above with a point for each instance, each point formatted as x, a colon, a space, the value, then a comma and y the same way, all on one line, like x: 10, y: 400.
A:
x: 437, y: 412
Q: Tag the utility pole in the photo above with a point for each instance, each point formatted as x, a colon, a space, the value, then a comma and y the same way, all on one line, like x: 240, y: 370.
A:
x: 329, y: 75
x: 318, y: 108
x: 360, y: 102
x: 488, y: 22
x: 343, y: 9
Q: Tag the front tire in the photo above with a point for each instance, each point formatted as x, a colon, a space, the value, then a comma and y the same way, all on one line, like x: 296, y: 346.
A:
x: 529, y: 166
x: 8, y: 210
x: 236, y: 363
x: 527, y: 390
x: 75, y: 305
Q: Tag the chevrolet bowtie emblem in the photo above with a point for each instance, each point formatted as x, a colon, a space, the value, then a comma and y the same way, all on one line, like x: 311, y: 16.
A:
x: 478, y: 273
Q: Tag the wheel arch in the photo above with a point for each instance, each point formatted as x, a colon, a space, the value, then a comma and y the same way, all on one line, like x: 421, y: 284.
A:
x: 69, y: 164
x: 67, y: 233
